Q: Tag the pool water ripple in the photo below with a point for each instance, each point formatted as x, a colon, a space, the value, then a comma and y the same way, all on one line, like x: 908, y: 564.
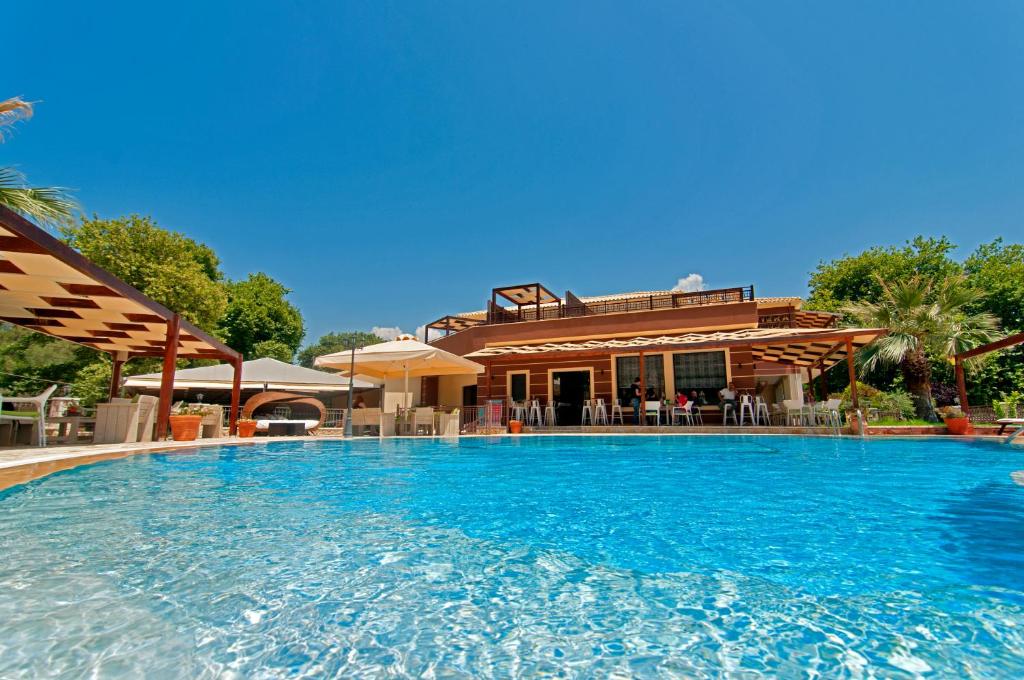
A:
x: 580, y: 557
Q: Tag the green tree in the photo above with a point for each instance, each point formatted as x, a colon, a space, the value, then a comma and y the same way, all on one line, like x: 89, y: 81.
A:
x: 856, y: 278
x: 274, y: 349
x: 46, y: 205
x: 258, y: 313
x: 998, y: 269
x: 925, y: 321
x: 336, y: 342
x: 166, y: 266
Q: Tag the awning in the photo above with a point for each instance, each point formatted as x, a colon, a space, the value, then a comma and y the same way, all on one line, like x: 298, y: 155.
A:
x: 257, y: 374
x: 48, y: 287
x: 526, y: 294
x: 404, y: 357
x: 795, y: 346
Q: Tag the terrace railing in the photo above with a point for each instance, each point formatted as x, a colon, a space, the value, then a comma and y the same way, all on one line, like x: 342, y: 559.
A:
x: 565, y: 310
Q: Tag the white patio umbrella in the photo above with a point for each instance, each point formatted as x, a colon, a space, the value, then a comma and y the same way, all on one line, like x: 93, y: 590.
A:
x: 405, y: 356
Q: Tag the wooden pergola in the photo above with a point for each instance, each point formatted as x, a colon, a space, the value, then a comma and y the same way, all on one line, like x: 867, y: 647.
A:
x: 48, y: 287
x: 958, y: 363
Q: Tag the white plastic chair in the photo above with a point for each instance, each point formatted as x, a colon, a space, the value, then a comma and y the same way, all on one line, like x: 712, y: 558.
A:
x: 550, y: 420
x: 652, y: 408
x: 600, y: 413
x: 746, y: 409
x: 39, y: 420
x: 517, y: 411
x: 617, y: 411
x: 534, y: 417
x: 588, y: 412
x: 684, y: 413
x: 728, y: 410
x: 423, y: 416
x: 761, y: 415
x: 794, y: 412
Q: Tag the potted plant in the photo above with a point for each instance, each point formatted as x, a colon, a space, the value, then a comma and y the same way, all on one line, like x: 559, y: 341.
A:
x: 246, y: 427
x: 956, y: 421
x: 186, y: 419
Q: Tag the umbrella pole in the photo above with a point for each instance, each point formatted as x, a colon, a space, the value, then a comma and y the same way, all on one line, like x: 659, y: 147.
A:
x: 407, y: 387
x: 351, y: 378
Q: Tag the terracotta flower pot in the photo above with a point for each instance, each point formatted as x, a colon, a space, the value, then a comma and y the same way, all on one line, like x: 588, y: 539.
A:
x: 515, y: 426
x: 246, y: 428
x: 958, y: 425
x: 185, y: 428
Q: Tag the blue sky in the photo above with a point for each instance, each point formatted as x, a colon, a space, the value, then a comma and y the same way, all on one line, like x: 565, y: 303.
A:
x: 392, y: 162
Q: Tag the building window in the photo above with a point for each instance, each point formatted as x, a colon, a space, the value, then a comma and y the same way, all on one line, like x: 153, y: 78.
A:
x: 628, y: 368
x: 701, y: 371
x: 517, y: 386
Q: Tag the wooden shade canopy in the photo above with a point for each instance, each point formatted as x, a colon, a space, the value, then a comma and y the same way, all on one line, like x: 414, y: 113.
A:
x: 48, y: 287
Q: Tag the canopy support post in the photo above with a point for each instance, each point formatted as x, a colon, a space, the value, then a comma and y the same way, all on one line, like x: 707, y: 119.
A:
x: 236, y: 396
x: 115, y: 374
x: 961, y: 385
x: 167, y: 377
x: 641, y: 418
x: 853, y: 374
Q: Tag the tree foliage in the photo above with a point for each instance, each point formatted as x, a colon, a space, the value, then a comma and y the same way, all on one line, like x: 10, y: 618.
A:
x: 164, y: 265
x: 336, y: 342
x: 259, y: 316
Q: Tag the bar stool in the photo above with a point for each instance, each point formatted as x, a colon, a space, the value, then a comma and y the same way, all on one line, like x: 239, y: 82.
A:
x: 549, y: 415
x: 728, y: 410
x: 761, y: 415
x: 517, y: 411
x: 600, y: 413
x: 746, y: 409
x: 533, y: 417
x: 617, y: 411
x: 588, y: 411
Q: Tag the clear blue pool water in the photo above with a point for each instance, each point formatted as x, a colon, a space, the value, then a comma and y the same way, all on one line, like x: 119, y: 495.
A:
x: 643, y: 556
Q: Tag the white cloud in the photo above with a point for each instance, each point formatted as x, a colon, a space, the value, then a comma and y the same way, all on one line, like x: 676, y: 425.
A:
x: 386, y: 332
x: 690, y: 284
x: 392, y: 332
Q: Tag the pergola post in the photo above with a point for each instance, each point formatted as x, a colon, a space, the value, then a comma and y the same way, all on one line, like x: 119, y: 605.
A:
x: 641, y: 418
x: 115, y: 374
x: 167, y: 377
x: 823, y: 380
x: 853, y: 374
x: 961, y: 385
x: 236, y: 396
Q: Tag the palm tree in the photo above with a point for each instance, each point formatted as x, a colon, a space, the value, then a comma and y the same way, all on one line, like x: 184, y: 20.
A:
x: 924, y: 320
x: 48, y: 205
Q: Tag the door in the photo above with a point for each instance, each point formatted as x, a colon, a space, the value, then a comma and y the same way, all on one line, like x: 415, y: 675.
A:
x: 569, y: 389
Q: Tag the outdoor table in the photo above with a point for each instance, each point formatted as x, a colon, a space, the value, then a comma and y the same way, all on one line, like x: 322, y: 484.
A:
x: 288, y: 428
x: 69, y: 427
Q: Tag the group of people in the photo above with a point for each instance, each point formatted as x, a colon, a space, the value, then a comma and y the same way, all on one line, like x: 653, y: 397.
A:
x: 726, y: 395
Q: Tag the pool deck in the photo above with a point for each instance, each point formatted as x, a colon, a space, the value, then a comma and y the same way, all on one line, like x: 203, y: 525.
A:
x: 21, y: 465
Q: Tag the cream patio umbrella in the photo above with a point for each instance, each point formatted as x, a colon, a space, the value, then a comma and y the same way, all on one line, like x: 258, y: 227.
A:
x: 405, y: 357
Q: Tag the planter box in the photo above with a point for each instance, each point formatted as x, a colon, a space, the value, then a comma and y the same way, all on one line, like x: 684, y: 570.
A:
x: 185, y: 428
x: 246, y: 428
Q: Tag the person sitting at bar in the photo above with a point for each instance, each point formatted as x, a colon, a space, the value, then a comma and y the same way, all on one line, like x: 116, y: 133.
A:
x: 681, y: 399
x: 727, y: 395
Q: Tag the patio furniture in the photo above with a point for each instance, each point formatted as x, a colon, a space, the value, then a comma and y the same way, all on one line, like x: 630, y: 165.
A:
x: 652, y: 408
x: 69, y: 428
x: 794, y: 412
x: 747, y: 409
x: 366, y: 418
x: 117, y: 421
x: 423, y: 416
x: 617, y: 411
x: 684, y: 413
x: 600, y: 412
x: 761, y: 415
x: 289, y: 399
x: 1004, y: 423
x: 285, y: 428
x: 28, y: 411
x: 550, y: 420
x: 728, y: 410
x: 448, y: 424
x: 517, y: 411
x: 588, y: 412
x: 534, y: 416
x: 213, y: 422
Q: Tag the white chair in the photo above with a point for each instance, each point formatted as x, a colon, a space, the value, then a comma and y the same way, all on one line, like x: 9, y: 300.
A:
x: 35, y: 415
x: 423, y: 417
x: 652, y: 408
x: 728, y: 410
x: 746, y: 409
x: 600, y: 413
x: 829, y: 412
x: 588, y: 412
x: 550, y: 420
x: 695, y: 413
x: 794, y: 412
x: 617, y: 411
x: 683, y: 413
x: 534, y: 417
x: 761, y: 415
x: 517, y: 411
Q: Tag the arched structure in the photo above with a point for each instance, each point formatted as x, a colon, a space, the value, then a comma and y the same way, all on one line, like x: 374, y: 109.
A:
x: 264, y: 398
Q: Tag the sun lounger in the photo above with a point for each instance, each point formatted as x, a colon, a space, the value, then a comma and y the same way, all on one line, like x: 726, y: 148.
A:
x: 1004, y: 423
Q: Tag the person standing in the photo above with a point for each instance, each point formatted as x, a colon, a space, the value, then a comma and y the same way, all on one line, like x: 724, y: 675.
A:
x: 635, y: 396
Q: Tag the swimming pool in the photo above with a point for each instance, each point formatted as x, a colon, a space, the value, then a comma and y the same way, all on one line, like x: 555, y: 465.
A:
x: 642, y: 556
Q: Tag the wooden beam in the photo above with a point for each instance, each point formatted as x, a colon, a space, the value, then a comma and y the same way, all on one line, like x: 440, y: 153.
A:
x: 236, y: 396
x: 853, y: 374
x: 641, y: 418
x: 1008, y: 341
x: 167, y: 377
x: 961, y: 384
